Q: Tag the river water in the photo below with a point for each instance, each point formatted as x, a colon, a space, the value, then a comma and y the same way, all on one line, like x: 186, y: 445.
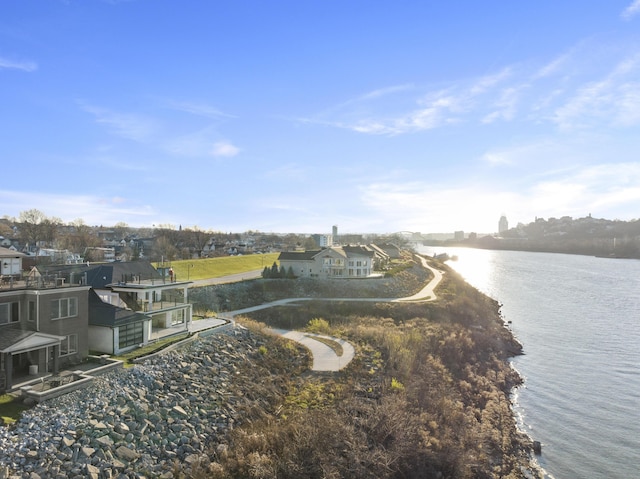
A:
x: 578, y: 318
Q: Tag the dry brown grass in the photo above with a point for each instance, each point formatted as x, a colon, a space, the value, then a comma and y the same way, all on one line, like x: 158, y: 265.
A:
x: 450, y: 419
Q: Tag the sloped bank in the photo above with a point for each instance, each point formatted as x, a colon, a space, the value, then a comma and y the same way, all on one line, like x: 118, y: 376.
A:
x: 428, y: 395
x: 156, y: 419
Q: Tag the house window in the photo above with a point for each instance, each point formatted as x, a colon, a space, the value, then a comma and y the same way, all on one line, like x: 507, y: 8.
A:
x: 9, y: 313
x: 177, y: 317
x: 32, y: 311
x: 64, y: 308
x: 69, y: 345
x: 131, y: 335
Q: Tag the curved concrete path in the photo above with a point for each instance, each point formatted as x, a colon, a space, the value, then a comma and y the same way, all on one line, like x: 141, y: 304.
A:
x: 324, y: 357
x: 427, y: 293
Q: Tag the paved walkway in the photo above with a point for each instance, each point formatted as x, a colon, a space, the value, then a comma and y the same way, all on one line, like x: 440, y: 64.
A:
x: 426, y: 293
x: 324, y: 357
x: 232, y: 278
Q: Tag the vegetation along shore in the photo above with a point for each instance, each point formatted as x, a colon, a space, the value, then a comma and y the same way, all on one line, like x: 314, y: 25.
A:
x: 427, y: 394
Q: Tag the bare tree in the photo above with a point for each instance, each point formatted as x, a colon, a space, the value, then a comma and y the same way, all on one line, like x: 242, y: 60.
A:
x: 121, y: 230
x: 80, y: 237
x: 196, y: 238
x: 165, y: 249
x: 30, y: 226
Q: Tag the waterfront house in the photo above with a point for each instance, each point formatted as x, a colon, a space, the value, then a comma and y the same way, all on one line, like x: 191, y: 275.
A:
x: 43, y: 325
x: 132, y: 304
x: 333, y: 262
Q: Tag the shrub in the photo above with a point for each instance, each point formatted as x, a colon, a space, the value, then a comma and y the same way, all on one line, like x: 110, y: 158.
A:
x: 319, y: 326
x: 396, y: 385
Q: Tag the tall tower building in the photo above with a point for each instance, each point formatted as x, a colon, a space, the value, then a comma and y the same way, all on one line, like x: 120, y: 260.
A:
x: 334, y: 233
x: 503, y: 224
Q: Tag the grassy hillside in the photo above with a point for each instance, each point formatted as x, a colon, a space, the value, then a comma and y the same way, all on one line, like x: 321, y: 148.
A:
x: 195, y: 269
x: 427, y: 396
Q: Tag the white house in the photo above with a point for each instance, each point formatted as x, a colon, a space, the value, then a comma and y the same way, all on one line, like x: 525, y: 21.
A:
x: 10, y: 262
x: 334, y: 262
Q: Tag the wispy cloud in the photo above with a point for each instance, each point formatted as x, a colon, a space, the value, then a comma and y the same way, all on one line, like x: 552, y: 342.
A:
x: 592, y: 84
x: 613, y: 100
x: 552, y: 67
x: 425, y: 206
x: 631, y: 11
x: 199, y: 109
x: 489, y: 81
x: 506, y: 105
x: 423, y: 110
x: 288, y: 172
x: 224, y: 149
x: 24, y: 65
x: 131, y: 126
x: 384, y: 92
x: 92, y: 209
x: 431, y: 111
x: 118, y: 164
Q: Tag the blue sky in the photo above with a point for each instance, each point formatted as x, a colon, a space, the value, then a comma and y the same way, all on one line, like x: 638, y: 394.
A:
x: 293, y: 116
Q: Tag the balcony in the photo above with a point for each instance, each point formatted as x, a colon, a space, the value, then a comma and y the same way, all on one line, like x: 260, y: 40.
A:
x: 38, y: 282
x: 151, y: 307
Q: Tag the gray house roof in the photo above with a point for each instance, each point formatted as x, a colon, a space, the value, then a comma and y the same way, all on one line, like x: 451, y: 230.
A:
x: 298, y: 255
x: 101, y: 274
x: 104, y: 314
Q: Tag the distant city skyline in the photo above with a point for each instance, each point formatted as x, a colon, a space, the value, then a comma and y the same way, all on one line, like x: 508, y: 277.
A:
x: 294, y: 116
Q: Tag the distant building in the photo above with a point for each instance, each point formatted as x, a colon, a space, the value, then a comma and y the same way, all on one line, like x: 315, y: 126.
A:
x: 323, y: 241
x: 334, y: 232
x: 333, y: 262
x: 503, y: 224
x: 458, y: 235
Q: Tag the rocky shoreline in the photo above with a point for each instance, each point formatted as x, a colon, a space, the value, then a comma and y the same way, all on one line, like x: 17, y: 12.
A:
x: 173, y: 414
x: 134, y: 422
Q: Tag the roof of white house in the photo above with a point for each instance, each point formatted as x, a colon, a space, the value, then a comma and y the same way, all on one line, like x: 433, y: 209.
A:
x: 8, y: 253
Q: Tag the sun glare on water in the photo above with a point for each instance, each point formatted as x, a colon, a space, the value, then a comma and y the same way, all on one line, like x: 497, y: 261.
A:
x: 475, y: 266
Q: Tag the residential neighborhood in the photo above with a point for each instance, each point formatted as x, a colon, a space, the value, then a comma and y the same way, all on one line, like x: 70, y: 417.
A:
x: 52, y: 316
x: 338, y: 261
x: 58, y: 305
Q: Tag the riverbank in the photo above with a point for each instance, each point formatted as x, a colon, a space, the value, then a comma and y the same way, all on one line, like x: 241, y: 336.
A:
x: 427, y: 393
x: 142, y: 421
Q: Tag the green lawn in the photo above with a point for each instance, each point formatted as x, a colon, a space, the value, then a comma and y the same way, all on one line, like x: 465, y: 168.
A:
x: 194, y: 269
x: 10, y: 408
x: 150, y: 348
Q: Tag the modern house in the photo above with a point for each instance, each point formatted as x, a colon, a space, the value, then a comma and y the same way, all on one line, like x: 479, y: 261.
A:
x: 334, y: 262
x: 43, y: 323
x: 130, y: 304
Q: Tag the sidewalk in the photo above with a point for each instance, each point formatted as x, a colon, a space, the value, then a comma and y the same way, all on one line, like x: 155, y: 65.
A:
x: 324, y: 357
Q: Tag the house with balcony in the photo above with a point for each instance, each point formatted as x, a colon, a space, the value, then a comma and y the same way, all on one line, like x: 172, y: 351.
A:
x: 131, y: 304
x: 43, y: 323
x: 333, y: 262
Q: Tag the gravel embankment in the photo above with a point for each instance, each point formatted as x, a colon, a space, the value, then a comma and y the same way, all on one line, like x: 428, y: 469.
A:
x: 133, y: 422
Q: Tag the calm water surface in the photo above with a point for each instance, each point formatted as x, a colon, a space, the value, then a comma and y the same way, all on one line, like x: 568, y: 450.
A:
x: 578, y: 318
